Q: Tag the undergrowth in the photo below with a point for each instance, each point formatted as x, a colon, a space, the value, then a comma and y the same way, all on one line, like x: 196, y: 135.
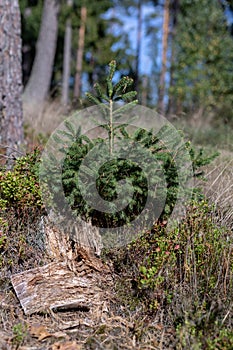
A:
x: 21, y: 209
x: 186, y: 274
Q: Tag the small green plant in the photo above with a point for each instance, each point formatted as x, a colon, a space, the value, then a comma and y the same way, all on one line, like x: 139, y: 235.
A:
x: 116, y: 100
x: 114, y: 93
x: 190, y: 336
x: 222, y: 339
x: 20, y: 333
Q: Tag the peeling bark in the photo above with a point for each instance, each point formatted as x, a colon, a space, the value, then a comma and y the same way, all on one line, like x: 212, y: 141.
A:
x: 57, y: 287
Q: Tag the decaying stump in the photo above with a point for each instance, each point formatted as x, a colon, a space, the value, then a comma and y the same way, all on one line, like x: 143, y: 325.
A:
x: 72, y: 281
x: 59, y: 241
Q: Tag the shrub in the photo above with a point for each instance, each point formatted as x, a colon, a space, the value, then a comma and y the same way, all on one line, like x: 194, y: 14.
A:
x: 21, y: 208
x: 20, y: 186
x: 186, y: 273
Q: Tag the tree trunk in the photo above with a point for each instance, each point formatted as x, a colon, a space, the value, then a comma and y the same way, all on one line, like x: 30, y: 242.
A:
x: 80, y: 50
x: 145, y: 90
x: 138, y: 50
x: 161, y: 92
x: 11, y: 115
x: 67, y: 59
x: 171, y: 101
x: 37, y: 88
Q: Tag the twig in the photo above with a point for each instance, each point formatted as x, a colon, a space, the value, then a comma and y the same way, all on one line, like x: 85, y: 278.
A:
x: 11, y: 148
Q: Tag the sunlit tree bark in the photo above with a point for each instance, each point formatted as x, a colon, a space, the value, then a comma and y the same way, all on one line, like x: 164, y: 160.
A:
x: 80, y: 50
x: 67, y: 59
x: 161, y: 92
x: 11, y: 115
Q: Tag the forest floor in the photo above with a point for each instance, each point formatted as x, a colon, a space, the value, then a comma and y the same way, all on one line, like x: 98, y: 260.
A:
x: 118, y: 322
x: 112, y: 325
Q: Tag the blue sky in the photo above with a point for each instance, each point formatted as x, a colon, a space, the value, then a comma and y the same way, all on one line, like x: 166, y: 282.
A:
x: 130, y: 27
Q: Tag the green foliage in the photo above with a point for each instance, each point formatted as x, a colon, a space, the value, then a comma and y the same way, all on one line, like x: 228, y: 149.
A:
x: 203, y: 56
x: 21, y: 209
x: 185, y: 273
x: 116, y: 92
x: 192, y: 337
x: 108, y: 177
x: 114, y: 171
x: 20, y: 333
x: 20, y: 186
x: 31, y: 18
x: 197, y: 245
x: 223, y: 339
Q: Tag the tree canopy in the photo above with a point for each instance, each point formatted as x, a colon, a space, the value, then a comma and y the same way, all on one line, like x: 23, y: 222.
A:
x: 196, y: 62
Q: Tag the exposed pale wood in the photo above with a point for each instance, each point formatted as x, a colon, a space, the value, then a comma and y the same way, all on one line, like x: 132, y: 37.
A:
x: 59, y: 241
x: 88, y: 236
x: 61, y: 286
x: 73, y: 280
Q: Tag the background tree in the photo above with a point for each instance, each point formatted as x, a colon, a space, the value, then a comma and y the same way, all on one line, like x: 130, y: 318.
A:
x: 80, y: 51
x: 11, y: 116
x: 67, y: 58
x: 31, y: 13
x: 138, y: 46
x: 101, y: 44
x: 204, y: 58
x: 105, y: 39
x: 161, y: 91
x: 174, y: 10
x: 38, y: 85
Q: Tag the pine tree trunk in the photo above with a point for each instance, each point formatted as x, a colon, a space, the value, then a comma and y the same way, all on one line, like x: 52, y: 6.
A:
x: 161, y: 92
x: 145, y: 90
x: 37, y: 88
x: 138, y: 50
x: 80, y: 50
x: 11, y: 115
x: 171, y: 102
x: 67, y: 59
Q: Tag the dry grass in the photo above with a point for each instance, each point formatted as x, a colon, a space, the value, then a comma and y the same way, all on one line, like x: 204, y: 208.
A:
x: 41, y: 121
x: 105, y: 328
x: 218, y: 187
